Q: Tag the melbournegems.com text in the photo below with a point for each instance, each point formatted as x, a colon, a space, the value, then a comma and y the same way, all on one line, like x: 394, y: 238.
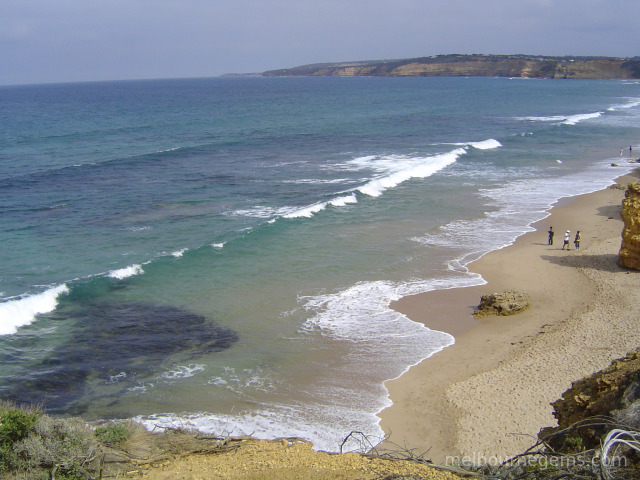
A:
x: 557, y: 462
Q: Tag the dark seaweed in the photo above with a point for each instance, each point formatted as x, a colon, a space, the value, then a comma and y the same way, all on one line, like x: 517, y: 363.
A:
x: 109, y: 338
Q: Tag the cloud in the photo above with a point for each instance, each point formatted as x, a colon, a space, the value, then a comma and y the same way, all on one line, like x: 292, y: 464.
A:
x: 14, y: 32
x: 107, y: 39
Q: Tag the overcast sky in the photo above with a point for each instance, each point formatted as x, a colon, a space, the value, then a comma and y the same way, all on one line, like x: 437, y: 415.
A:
x: 74, y: 40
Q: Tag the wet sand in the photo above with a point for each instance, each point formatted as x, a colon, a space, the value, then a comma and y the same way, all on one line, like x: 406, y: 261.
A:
x: 489, y: 394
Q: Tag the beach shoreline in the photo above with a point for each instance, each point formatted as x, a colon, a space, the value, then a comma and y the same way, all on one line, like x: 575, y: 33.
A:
x: 489, y: 394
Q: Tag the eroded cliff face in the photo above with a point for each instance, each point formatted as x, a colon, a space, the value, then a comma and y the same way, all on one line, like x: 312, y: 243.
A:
x: 477, y: 65
x: 612, y: 393
x: 630, y: 247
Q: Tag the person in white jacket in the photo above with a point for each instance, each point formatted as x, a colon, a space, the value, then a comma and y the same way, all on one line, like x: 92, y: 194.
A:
x: 567, y: 236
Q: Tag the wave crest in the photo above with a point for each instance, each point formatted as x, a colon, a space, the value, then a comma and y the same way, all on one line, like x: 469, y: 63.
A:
x: 563, y: 119
x: 126, y: 272
x: 23, y: 311
x: 403, y: 169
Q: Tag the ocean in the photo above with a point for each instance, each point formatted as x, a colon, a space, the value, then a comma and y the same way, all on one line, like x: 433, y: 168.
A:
x: 221, y: 253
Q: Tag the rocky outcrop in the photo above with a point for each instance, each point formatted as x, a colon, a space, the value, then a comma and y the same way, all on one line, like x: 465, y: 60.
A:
x: 630, y: 247
x: 508, y: 302
x: 525, y: 66
x: 612, y: 393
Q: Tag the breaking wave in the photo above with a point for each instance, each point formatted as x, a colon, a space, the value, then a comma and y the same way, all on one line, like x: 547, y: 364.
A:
x: 23, y: 311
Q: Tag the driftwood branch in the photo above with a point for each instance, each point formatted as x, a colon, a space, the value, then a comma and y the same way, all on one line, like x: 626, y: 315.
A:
x: 538, y: 462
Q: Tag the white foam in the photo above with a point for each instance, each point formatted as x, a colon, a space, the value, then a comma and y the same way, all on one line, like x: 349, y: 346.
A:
x: 325, y: 418
x: 401, y: 169
x: 361, y: 312
x: 388, y: 343
x: 22, y: 311
x: 574, y: 119
x: 634, y: 102
x: 563, y: 119
x: 518, y: 205
x: 343, y: 201
x: 246, y: 379
x: 306, y: 212
x: 319, y: 181
x: 279, y: 421
x: 116, y: 378
x: 554, y: 118
x: 487, y: 144
x: 258, y: 211
x: 179, y: 253
x: 291, y: 212
x: 168, y: 150
x: 126, y: 272
x: 219, y: 381
x: 183, y: 371
x: 218, y: 245
x: 381, y: 163
x: 142, y: 388
x: 395, y: 169
x: 358, y: 163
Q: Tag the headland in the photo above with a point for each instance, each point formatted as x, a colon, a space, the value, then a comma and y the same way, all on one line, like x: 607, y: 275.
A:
x: 524, y: 66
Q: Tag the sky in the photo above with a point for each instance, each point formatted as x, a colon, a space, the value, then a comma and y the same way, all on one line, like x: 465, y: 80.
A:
x: 50, y: 41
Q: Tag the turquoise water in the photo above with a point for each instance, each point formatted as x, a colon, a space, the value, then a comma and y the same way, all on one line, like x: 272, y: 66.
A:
x: 223, y: 252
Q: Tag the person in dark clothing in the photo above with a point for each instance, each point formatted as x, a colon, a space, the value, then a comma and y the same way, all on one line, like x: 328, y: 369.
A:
x: 550, y: 235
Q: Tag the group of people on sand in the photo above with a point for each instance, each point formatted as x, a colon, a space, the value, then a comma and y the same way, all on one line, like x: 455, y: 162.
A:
x: 567, y: 237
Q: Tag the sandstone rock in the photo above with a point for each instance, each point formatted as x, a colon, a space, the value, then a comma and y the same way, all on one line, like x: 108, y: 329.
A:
x: 612, y: 392
x: 618, y: 186
x: 629, y: 255
x: 508, y: 302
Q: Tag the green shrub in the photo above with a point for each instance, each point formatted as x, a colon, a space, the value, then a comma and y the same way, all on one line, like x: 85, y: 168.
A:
x: 574, y: 442
x: 113, y: 434
x: 15, y: 425
x: 64, y: 444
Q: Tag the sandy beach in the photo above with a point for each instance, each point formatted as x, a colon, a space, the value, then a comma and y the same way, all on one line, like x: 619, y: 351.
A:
x: 489, y: 394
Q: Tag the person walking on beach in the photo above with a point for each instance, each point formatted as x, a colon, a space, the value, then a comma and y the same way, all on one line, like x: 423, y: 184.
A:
x: 550, y: 235
x: 576, y: 240
x: 566, y: 240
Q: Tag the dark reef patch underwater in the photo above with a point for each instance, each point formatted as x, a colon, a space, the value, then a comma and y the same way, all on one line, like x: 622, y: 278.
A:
x: 114, y: 344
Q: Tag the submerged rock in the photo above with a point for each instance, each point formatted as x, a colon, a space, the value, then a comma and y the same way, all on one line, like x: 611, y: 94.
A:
x: 115, y: 345
x: 629, y: 255
x: 508, y: 302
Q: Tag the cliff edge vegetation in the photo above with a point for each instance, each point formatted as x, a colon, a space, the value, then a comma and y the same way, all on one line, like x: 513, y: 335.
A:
x: 524, y: 66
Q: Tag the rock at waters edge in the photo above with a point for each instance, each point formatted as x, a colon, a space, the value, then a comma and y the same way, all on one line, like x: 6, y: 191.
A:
x: 509, y: 302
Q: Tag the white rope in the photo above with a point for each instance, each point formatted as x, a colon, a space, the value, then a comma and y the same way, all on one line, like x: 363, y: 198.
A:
x: 613, y: 441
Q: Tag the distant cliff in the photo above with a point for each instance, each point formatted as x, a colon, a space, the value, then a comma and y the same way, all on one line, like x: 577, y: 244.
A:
x: 476, y: 65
